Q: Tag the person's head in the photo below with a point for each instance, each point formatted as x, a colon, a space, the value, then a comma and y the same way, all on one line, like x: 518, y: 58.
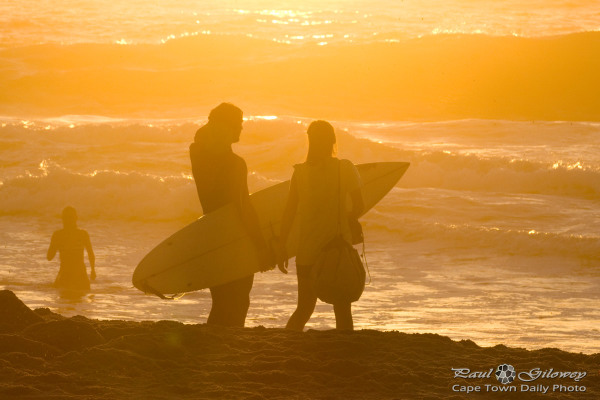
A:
x: 321, y: 140
x: 69, y: 217
x: 227, y: 120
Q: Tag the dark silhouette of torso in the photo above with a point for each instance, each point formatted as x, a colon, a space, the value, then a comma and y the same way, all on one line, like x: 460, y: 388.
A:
x: 70, y: 243
x: 218, y: 176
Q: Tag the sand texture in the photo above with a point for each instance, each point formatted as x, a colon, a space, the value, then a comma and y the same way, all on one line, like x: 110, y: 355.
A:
x: 47, y: 356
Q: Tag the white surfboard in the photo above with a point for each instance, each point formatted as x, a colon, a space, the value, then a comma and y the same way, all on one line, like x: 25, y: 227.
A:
x: 216, y: 249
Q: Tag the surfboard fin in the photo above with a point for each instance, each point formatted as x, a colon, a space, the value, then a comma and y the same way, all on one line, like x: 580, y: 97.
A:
x: 149, y: 289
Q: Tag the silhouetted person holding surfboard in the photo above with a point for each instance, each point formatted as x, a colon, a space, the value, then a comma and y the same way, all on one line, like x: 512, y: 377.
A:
x: 70, y: 243
x: 221, y: 179
x: 315, y: 190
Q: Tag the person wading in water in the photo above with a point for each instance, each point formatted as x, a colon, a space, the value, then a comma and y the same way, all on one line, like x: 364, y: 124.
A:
x: 70, y: 242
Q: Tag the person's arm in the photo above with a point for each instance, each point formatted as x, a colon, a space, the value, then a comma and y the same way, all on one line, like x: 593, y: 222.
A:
x: 251, y: 222
x: 53, y: 248
x: 91, y: 256
x: 289, y: 214
x: 358, y: 204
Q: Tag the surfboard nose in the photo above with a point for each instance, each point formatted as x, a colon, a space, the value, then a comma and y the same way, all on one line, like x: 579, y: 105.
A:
x: 379, y: 178
x: 390, y: 167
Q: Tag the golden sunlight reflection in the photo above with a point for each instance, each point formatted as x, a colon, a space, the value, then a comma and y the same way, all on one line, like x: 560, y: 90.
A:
x: 561, y: 164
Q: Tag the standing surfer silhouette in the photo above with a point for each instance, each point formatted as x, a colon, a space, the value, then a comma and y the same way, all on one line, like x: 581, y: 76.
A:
x: 221, y: 179
x: 315, y: 190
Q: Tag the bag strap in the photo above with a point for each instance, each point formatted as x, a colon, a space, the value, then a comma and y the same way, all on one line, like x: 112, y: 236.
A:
x: 364, y: 256
x: 364, y: 253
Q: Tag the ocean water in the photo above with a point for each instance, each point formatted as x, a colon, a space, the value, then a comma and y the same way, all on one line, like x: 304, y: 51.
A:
x: 356, y: 60
x: 492, y: 235
x: 288, y: 21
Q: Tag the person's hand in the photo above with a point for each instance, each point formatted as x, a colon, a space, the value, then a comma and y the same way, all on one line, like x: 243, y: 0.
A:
x: 356, y: 230
x: 282, y: 258
x: 282, y: 264
x: 266, y: 258
x: 93, y: 275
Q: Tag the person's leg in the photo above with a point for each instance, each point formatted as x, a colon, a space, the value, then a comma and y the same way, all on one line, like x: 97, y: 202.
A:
x: 240, y: 301
x: 343, y: 316
x: 307, y: 299
x: 218, y: 309
x: 230, y: 302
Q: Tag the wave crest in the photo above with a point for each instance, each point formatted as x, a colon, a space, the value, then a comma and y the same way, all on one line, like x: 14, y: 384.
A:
x: 100, y: 194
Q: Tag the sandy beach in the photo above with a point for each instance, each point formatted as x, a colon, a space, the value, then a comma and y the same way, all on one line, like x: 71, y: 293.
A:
x: 45, y: 355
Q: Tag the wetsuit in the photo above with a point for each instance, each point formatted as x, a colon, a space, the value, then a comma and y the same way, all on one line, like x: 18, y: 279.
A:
x: 221, y: 178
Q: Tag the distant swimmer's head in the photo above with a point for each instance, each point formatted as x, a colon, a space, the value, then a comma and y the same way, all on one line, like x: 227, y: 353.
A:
x: 321, y: 141
x: 69, y: 217
x: 228, y: 120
